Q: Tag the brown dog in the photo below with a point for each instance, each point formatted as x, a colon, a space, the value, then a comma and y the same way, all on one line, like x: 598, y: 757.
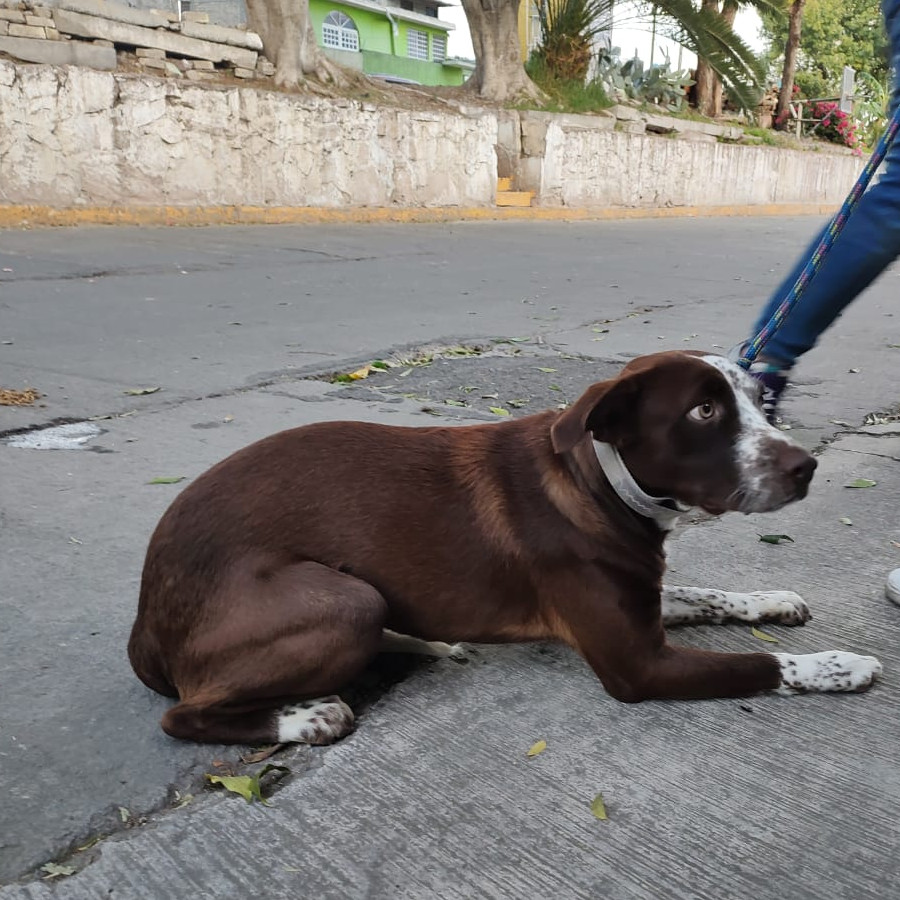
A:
x: 271, y: 581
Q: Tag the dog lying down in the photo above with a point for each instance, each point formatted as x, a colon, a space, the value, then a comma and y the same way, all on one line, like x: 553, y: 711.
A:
x: 276, y: 576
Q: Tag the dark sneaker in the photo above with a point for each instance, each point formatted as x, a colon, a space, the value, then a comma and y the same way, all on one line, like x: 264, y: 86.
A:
x: 771, y: 376
x: 773, y: 380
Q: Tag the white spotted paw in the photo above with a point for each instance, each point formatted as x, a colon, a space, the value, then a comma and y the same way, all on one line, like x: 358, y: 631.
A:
x: 784, y: 607
x: 320, y: 721
x: 457, y: 652
x: 833, y: 670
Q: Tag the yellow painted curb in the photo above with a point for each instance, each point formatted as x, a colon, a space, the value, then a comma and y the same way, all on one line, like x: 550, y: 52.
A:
x: 39, y: 216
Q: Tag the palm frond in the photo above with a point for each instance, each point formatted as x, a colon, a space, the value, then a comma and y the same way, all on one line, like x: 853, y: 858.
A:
x: 709, y: 36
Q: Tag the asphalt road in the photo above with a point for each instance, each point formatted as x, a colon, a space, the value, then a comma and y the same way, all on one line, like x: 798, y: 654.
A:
x: 240, y: 329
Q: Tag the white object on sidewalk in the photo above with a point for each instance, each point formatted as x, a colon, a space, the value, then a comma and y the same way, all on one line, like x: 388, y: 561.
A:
x: 892, y: 587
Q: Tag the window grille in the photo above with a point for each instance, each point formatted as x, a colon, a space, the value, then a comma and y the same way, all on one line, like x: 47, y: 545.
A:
x: 417, y: 44
x: 339, y: 31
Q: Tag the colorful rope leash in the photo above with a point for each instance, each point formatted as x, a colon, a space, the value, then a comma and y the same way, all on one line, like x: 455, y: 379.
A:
x: 752, y: 349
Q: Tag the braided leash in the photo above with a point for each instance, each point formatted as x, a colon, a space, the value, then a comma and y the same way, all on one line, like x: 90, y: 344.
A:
x: 752, y: 349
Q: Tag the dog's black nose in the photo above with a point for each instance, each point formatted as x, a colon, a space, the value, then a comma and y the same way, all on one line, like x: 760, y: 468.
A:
x: 798, y: 465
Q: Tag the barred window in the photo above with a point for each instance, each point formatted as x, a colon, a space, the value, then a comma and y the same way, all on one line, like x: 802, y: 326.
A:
x: 417, y: 44
x: 438, y: 47
x: 339, y: 31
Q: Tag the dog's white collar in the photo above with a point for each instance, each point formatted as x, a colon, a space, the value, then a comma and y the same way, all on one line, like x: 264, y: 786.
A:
x: 665, y: 511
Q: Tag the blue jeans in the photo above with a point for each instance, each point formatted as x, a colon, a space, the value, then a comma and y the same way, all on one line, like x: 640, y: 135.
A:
x: 868, y: 244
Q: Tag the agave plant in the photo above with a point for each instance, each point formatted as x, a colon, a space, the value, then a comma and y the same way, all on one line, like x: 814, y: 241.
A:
x: 658, y: 84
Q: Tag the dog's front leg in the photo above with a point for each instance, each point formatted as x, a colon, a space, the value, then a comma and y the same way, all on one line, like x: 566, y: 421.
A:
x: 623, y: 639
x: 699, y: 606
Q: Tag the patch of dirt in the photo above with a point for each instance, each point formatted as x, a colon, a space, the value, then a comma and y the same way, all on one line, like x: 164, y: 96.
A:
x: 486, y: 387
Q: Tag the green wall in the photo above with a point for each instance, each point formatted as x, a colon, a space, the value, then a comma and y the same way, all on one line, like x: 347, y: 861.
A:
x: 379, y: 54
x: 416, y: 69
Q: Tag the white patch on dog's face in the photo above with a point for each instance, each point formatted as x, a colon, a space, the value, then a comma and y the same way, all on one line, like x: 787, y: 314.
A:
x: 757, y: 445
x: 833, y: 670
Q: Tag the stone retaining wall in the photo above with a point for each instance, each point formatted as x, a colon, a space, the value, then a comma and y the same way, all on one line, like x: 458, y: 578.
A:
x: 73, y: 137
x: 582, y: 161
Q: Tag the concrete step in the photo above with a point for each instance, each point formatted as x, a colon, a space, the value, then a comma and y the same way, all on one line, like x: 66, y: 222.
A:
x: 504, y: 184
x: 514, y: 198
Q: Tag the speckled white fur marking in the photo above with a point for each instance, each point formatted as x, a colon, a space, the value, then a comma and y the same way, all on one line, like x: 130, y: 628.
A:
x: 754, y: 436
x: 833, y: 670
x: 697, y: 606
x: 319, y: 721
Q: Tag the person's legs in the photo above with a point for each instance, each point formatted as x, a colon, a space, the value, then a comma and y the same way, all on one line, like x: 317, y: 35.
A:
x: 869, y: 242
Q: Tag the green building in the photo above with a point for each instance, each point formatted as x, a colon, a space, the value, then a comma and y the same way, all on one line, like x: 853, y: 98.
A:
x: 403, y: 41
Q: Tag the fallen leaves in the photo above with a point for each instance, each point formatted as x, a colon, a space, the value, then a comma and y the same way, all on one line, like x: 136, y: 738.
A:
x: 10, y: 397
x: 167, y: 479
x: 761, y: 635
x: 262, y: 754
x: 598, y: 808
x: 55, y: 870
x: 861, y: 483
x: 140, y: 392
x: 536, y: 749
x: 499, y: 411
x: 247, y: 786
x: 845, y: 520
x: 776, y: 538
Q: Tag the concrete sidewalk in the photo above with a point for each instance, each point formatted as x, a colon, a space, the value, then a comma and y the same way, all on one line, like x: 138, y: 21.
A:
x: 433, y: 796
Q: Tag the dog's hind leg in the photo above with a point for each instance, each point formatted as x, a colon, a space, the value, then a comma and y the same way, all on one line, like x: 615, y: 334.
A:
x: 706, y: 606
x: 268, y: 671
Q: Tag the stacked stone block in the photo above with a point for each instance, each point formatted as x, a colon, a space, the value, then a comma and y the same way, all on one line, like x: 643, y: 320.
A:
x: 103, y: 34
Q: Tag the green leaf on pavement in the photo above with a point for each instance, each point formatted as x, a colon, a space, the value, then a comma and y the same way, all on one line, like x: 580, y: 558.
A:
x: 763, y: 636
x: 775, y: 538
x: 537, y: 748
x: 498, y: 410
x: 846, y: 521
x: 452, y: 402
x: 598, y: 808
x: 545, y: 369
x: 247, y: 786
x: 554, y: 387
x: 139, y: 392
x: 861, y: 483
x: 168, y: 479
x: 54, y: 870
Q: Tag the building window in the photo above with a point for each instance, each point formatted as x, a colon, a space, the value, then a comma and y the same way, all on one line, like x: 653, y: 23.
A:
x: 431, y: 11
x: 417, y: 44
x: 438, y: 47
x: 339, y: 31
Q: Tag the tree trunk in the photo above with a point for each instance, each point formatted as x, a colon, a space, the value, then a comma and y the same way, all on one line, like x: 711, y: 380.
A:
x: 289, y: 42
x: 791, y: 48
x: 499, y: 74
x: 708, y: 90
x: 729, y: 11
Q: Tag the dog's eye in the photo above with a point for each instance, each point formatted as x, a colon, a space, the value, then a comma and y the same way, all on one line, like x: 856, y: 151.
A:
x: 703, y: 412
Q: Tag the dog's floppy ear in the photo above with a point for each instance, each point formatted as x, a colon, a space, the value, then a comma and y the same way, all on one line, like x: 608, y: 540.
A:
x: 602, y: 409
